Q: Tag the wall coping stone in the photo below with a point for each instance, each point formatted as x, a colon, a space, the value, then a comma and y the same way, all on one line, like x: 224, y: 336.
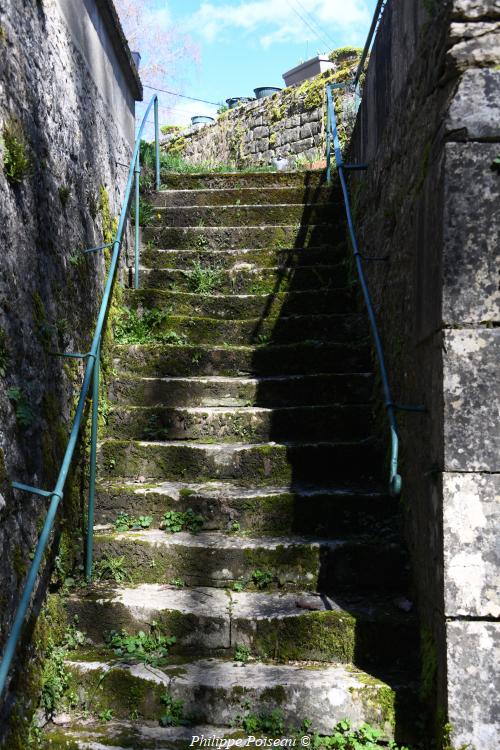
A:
x: 121, y: 47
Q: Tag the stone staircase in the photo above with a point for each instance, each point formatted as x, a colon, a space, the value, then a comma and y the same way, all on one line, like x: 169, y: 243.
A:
x: 250, y: 413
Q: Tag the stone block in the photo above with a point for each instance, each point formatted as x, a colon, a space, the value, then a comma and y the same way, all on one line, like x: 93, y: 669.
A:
x: 474, y: 44
x: 475, y: 109
x: 471, y: 395
x: 473, y: 659
x: 306, y: 131
x: 471, y: 516
x: 471, y: 10
x: 261, y: 132
x: 471, y: 227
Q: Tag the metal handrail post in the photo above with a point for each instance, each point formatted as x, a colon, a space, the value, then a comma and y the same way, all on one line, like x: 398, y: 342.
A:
x: 157, y: 144
x: 137, y: 172
x: 93, y: 468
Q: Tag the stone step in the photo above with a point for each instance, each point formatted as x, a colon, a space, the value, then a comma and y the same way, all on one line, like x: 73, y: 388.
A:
x: 370, y: 631
x: 160, y: 360
x: 141, y: 734
x: 226, y: 424
x: 228, y: 238
x: 245, y: 196
x: 246, y: 279
x: 295, y: 563
x: 243, y: 216
x: 243, y: 306
x: 305, y: 390
x: 224, y: 180
x: 329, y: 510
x: 153, y: 257
x: 220, y: 691
x: 250, y: 464
x: 188, y: 329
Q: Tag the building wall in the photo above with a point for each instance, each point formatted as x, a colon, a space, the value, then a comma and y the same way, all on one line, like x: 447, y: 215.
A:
x: 429, y: 128
x: 67, y: 97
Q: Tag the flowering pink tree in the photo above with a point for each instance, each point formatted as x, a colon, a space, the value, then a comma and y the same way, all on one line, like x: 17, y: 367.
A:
x: 167, y: 55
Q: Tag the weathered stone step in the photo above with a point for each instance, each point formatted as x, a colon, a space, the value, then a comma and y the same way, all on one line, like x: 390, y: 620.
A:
x: 243, y: 306
x: 227, y: 238
x: 227, y: 424
x: 247, y: 280
x: 277, y: 330
x: 305, y: 390
x: 140, y: 734
x: 254, y: 464
x: 152, y: 257
x: 210, y: 180
x: 245, y: 196
x: 218, y: 691
x: 329, y: 510
x: 366, y: 631
x: 242, y: 216
x: 161, y: 360
x: 223, y: 560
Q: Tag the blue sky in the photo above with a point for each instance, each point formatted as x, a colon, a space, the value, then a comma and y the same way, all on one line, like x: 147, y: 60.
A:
x: 249, y: 43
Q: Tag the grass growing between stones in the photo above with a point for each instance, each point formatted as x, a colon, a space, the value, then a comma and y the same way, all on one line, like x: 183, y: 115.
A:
x: 16, y: 161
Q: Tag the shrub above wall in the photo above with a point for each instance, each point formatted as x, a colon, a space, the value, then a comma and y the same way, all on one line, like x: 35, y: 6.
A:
x: 287, y: 128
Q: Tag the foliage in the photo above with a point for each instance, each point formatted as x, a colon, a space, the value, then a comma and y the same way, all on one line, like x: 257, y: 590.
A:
x: 16, y: 161
x: 150, y: 648
x: 495, y: 165
x: 175, y: 521
x: 262, y: 578
x: 204, y: 279
x: 24, y: 415
x: 222, y: 108
x: 132, y: 328
x: 64, y: 193
x: 146, y: 211
x: 56, y: 677
x: 111, y: 568
x: 345, y: 738
x: 345, y: 53
x: 242, y: 653
x: 178, y: 582
x: 169, y: 129
x: 125, y: 522
x: 173, y: 715
x: 106, y: 715
x: 271, y: 724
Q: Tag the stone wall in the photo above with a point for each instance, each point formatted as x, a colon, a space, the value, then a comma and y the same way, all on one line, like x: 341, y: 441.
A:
x: 288, y: 126
x: 63, y: 131
x: 429, y: 128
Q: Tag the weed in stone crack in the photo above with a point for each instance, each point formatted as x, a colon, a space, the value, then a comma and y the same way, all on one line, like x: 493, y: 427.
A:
x: 24, y: 415
x: 111, y: 568
x: 125, y: 522
x: 4, y: 353
x: 204, y: 279
x: 271, y: 724
x: 150, y: 648
x: 495, y: 164
x: 146, y: 212
x: 64, y: 193
x: 239, y: 585
x: 132, y: 328
x: 16, y: 162
x: 177, y: 582
x: 343, y: 737
x: 242, y: 653
x: 262, y: 578
x: 173, y: 715
x: 235, y: 526
x: 175, y: 521
x: 106, y: 715
x: 55, y: 676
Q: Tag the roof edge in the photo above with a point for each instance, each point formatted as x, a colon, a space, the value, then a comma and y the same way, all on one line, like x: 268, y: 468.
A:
x: 121, y: 46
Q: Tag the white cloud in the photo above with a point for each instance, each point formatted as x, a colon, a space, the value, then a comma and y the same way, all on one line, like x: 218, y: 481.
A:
x: 276, y: 22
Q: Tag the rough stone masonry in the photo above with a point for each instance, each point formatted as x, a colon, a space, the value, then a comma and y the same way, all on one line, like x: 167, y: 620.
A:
x: 67, y: 91
x: 429, y: 128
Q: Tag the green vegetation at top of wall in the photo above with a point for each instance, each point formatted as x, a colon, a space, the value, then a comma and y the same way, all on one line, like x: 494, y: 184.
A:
x: 169, y: 129
x: 345, y: 53
x: 16, y: 160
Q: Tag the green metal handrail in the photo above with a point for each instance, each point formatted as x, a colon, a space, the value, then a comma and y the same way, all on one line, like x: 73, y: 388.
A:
x: 92, y: 369
x: 332, y: 134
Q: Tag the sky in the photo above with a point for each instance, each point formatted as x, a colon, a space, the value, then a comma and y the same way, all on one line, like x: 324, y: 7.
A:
x: 248, y: 43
